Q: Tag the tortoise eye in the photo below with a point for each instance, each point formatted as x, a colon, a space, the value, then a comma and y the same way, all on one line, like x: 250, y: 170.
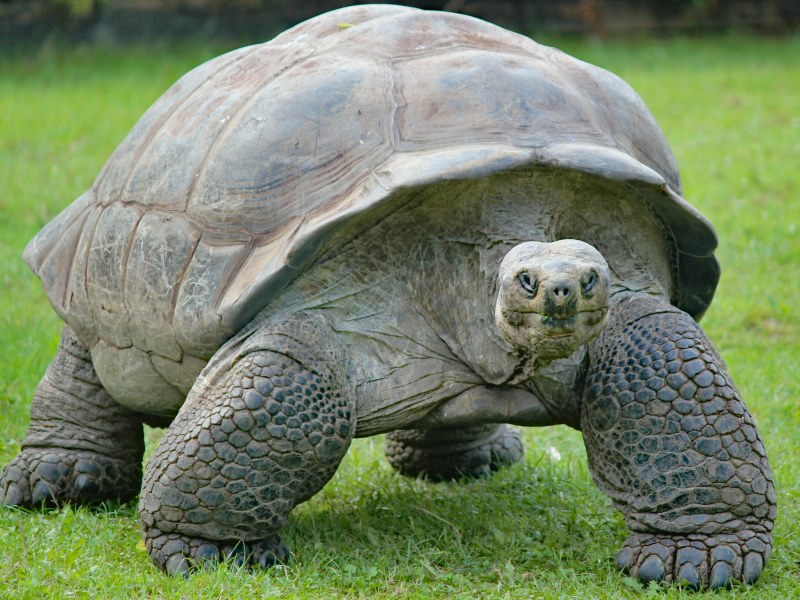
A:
x: 528, y: 284
x: 588, y: 283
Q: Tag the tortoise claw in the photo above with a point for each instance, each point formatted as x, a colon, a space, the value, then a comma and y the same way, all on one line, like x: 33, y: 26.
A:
x: 652, y: 569
x: 179, y: 555
x: 695, y: 560
x: 177, y: 564
x: 753, y: 565
x: 689, y: 577
x: 57, y: 476
x: 690, y: 562
x: 721, y: 576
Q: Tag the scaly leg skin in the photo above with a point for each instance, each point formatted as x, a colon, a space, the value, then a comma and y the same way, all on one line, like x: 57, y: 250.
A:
x: 453, y: 452
x: 81, y: 446
x: 248, y: 445
x: 670, y: 440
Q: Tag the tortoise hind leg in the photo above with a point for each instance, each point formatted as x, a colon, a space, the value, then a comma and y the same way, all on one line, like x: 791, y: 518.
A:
x: 453, y: 452
x: 670, y: 440
x: 259, y: 433
x: 81, y: 446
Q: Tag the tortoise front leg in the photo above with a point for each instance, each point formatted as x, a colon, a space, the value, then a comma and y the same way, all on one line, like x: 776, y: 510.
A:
x: 670, y: 440
x: 81, y: 446
x: 258, y: 434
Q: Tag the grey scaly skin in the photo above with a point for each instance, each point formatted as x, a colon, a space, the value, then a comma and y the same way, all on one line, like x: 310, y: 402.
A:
x: 81, y: 445
x: 251, y: 442
x: 670, y: 440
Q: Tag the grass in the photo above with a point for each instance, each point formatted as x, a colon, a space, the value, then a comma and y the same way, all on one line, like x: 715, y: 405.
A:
x: 729, y: 107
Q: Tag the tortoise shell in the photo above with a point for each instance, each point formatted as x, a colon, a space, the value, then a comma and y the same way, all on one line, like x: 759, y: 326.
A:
x: 234, y: 179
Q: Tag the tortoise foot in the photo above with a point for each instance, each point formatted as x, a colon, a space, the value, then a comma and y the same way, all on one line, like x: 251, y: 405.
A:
x: 694, y: 560
x: 54, y: 476
x: 454, y: 453
x: 177, y: 554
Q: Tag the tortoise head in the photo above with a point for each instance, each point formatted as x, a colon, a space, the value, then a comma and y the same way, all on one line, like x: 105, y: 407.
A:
x: 553, y: 298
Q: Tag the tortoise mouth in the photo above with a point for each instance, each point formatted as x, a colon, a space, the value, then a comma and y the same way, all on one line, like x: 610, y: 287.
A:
x: 565, y: 323
x: 561, y: 324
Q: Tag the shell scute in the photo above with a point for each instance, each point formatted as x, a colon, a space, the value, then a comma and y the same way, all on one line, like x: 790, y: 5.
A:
x: 112, y: 184
x: 105, y: 273
x: 502, y: 98
x: 159, y: 253
x: 300, y: 153
x: 76, y: 309
x: 213, y: 263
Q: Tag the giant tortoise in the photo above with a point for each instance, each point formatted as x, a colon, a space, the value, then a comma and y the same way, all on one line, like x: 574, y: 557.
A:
x: 388, y: 220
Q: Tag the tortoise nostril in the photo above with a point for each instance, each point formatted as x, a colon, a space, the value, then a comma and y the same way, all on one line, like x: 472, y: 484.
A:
x: 562, y: 291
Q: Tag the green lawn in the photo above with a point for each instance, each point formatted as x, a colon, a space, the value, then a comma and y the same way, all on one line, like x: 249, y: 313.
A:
x: 731, y: 110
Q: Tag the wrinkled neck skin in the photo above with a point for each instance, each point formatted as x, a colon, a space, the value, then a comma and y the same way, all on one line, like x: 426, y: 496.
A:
x: 410, y: 290
x: 529, y: 365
